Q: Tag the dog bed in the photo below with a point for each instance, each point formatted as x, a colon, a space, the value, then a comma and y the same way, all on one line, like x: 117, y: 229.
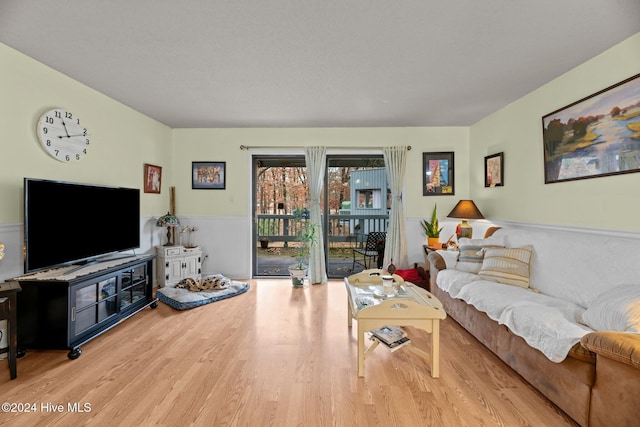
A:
x: 184, y: 299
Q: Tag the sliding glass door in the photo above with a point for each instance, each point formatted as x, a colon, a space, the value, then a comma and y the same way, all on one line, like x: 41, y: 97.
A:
x: 355, y: 202
x: 280, y: 187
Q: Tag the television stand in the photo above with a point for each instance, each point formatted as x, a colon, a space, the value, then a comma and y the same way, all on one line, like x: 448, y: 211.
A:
x: 96, y: 262
x: 66, y: 312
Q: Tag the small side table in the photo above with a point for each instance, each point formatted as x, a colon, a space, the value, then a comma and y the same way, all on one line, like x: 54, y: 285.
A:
x: 8, y: 306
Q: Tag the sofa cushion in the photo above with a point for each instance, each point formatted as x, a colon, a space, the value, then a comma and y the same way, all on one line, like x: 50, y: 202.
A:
x: 491, y: 297
x: 619, y: 346
x: 550, y: 328
x: 507, y: 265
x: 452, y: 281
x: 545, y: 323
x: 472, y: 253
x: 615, y: 310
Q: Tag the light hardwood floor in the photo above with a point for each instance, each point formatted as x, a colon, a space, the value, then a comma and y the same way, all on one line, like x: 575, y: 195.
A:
x: 274, y: 356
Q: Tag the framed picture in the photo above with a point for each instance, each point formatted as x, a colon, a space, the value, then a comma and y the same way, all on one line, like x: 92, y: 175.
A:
x: 208, y: 175
x: 494, y: 170
x: 152, y: 178
x: 595, y: 136
x: 437, y: 174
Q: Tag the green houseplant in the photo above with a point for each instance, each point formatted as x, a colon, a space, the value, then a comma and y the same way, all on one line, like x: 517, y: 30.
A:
x: 306, y: 235
x: 266, y: 227
x: 432, y: 229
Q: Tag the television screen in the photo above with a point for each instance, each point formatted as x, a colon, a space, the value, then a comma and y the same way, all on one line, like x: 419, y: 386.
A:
x: 66, y: 223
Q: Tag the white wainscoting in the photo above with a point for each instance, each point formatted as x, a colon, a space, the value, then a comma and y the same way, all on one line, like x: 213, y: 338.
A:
x: 416, y: 237
x: 11, y: 265
x: 226, y: 241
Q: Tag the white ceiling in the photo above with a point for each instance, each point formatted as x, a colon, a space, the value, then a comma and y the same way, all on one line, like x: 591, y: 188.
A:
x: 315, y: 63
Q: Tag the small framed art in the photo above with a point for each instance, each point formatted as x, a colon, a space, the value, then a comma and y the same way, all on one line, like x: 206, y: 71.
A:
x: 494, y: 170
x: 208, y: 175
x: 152, y: 178
x: 437, y: 174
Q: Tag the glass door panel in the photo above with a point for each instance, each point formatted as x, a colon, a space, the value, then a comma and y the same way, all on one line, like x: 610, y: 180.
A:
x: 280, y: 188
x: 357, y: 200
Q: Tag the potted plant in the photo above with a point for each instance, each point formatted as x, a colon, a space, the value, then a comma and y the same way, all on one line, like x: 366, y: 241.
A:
x: 306, y: 235
x: 264, y: 242
x: 431, y: 229
x: 266, y: 228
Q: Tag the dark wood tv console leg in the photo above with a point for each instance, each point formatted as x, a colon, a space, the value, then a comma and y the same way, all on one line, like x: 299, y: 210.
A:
x: 75, y: 353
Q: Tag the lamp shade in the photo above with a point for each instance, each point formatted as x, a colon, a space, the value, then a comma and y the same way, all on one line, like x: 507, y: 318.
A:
x: 168, y: 220
x: 466, y: 209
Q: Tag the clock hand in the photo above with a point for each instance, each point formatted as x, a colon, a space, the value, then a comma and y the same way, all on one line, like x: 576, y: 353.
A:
x: 73, y: 136
x: 65, y: 128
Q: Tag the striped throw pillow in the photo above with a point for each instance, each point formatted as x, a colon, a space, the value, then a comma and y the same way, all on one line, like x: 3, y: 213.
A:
x: 472, y: 253
x: 507, y: 265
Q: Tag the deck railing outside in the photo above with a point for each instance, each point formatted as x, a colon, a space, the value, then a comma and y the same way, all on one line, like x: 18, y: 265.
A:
x: 343, y: 228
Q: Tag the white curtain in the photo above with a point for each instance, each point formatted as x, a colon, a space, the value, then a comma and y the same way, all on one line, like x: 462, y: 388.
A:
x: 316, y: 159
x: 395, y: 160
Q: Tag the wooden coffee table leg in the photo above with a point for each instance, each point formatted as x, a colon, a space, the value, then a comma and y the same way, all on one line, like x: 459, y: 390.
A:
x: 435, y: 348
x: 360, y: 350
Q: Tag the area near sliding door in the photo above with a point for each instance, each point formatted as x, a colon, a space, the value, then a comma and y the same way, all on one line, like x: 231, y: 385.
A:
x: 355, y: 202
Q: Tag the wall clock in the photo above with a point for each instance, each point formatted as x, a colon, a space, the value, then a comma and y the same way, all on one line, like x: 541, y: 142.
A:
x: 62, y: 135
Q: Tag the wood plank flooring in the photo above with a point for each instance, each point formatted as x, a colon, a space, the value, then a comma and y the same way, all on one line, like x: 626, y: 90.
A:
x: 274, y: 356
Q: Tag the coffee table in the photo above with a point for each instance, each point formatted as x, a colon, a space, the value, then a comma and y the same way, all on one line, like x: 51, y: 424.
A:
x: 412, y: 306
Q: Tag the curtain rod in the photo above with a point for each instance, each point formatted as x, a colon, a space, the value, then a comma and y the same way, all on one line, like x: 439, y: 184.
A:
x: 246, y: 147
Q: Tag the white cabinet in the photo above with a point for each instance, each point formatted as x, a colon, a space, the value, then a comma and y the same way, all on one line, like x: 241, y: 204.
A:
x: 176, y: 263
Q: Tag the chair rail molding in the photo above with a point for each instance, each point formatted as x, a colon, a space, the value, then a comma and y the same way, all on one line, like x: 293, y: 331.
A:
x: 584, y: 230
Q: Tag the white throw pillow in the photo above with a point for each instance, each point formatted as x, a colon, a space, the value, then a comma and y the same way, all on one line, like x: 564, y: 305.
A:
x: 450, y: 258
x: 615, y: 310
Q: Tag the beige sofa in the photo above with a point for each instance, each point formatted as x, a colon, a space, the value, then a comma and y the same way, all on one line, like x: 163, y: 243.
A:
x: 598, y: 382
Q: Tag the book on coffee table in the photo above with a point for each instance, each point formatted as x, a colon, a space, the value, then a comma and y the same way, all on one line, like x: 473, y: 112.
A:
x: 393, y: 337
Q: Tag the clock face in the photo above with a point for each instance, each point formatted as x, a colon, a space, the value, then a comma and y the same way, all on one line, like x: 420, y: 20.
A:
x: 62, y: 135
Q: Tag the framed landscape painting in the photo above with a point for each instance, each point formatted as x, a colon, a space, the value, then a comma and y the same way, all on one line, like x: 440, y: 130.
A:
x: 437, y: 174
x: 208, y: 175
x: 595, y: 136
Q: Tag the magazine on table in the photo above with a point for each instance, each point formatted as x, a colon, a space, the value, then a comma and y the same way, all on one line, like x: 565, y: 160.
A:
x: 393, y: 337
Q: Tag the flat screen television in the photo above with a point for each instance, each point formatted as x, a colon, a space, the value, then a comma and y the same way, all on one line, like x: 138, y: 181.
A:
x: 70, y: 223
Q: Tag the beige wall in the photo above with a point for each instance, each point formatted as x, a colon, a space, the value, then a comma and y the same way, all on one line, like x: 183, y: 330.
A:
x: 607, y: 203
x: 122, y: 140
x: 224, y: 145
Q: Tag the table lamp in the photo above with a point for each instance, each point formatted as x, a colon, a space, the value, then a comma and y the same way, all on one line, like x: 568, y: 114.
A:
x: 465, y: 210
x: 170, y: 222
